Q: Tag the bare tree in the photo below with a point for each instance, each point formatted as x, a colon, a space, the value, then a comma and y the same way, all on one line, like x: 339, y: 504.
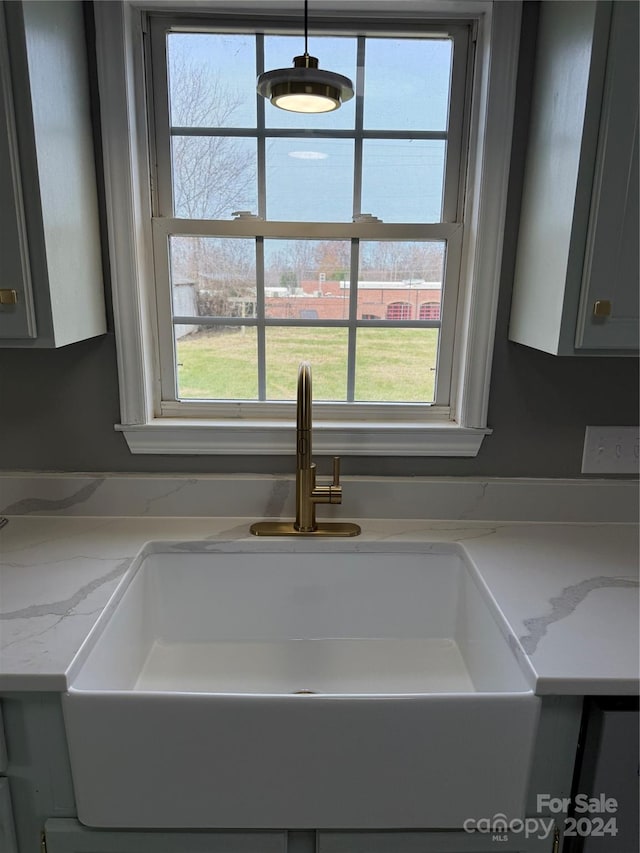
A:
x: 212, y: 175
x: 291, y: 262
x: 333, y: 258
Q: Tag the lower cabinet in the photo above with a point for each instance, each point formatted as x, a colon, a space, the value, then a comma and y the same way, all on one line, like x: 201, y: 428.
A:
x: 608, y: 764
x: 8, y: 842
x: 68, y: 836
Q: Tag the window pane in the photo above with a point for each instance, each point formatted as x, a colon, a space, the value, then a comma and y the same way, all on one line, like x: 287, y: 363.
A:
x: 217, y: 363
x: 326, y: 349
x: 213, y: 276
x: 213, y: 176
x: 310, y: 180
x: 402, y: 179
x: 407, y: 84
x: 397, y: 279
x: 307, y: 279
x: 396, y: 365
x: 333, y: 54
x: 212, y: 80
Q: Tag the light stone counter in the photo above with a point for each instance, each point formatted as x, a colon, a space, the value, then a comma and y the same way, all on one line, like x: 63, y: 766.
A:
x: 569, y: 591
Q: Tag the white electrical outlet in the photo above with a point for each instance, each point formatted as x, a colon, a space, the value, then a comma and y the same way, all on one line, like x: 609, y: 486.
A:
x: 611, y: 450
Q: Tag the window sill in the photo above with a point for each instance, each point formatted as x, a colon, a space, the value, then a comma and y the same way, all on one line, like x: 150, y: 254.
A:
x: 265, y: 438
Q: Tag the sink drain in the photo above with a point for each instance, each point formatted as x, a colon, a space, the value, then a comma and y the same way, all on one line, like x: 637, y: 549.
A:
x: 304, y: 693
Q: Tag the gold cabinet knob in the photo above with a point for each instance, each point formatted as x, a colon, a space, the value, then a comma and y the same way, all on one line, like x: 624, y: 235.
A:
x: 8, y: 297
x: 602, y: 308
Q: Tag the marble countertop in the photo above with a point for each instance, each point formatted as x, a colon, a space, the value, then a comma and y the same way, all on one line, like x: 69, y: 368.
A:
x: 569, y: 591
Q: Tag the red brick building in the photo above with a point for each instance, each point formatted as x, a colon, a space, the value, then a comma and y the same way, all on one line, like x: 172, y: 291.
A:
x: 377, y: 300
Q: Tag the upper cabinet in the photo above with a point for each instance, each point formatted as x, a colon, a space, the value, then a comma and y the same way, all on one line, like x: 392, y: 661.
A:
x: 51, y: 286
x: 576, y: 278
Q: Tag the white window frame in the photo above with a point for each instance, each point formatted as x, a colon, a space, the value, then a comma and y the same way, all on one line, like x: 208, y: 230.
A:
x: 448, y: 230
x: 456, y: 430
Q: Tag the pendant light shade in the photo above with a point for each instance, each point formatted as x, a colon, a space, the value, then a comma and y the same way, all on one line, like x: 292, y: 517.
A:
x: 305, y: 88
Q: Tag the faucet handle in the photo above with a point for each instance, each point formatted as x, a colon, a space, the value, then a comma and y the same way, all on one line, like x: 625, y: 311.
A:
x: 331, y: 493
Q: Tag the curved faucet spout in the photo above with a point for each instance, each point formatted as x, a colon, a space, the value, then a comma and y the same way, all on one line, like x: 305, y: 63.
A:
x: 308, y: 494
x: 304, y: 417
x: 305, y: 469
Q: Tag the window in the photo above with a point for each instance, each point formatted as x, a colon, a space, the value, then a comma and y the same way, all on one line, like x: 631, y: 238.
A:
x: 222, y: 153
x: 260, y: 237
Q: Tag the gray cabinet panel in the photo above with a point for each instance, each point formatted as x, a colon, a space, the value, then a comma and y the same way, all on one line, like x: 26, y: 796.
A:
x: 609, y: 766
x: 69, y: 836
x: 7, y: 833
x: 49, y: 236
x: 17, y: 320
x: 611, y: 269
x: 38, y: 766
x: 3, y: 747
x: 578, y: 238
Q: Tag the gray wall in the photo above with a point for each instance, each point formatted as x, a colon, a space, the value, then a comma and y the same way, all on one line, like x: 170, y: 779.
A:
x: 59, y: 407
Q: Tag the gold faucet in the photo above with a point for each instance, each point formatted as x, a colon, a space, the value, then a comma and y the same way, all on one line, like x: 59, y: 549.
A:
x: 308, y: 494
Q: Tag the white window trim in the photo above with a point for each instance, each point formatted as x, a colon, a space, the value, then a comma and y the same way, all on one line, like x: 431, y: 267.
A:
x: 459, y: 431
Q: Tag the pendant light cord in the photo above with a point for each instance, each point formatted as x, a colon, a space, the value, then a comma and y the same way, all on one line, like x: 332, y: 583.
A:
x: 306, y: 27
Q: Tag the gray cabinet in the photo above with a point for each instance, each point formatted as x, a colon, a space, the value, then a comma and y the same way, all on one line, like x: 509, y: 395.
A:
x: 608, y: 763
x: 51, y: 288
x: 68, y: 836
x: 576, y: 278
x: 611, y: 272
x: 4, y: 761
x: 17, y: 315
x: 7, y: 831
x: 38, y: 765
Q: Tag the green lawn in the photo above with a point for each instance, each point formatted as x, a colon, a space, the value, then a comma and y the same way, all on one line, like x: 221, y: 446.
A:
x: 391, y: 364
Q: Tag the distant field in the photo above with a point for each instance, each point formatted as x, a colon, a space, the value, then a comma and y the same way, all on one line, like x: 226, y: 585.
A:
x: 391, y: 364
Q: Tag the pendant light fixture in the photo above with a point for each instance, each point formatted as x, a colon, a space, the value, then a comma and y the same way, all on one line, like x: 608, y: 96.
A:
x: 305, y: 88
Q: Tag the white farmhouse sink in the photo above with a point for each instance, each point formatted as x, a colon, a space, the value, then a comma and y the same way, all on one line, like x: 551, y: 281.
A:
x: 304, y: 684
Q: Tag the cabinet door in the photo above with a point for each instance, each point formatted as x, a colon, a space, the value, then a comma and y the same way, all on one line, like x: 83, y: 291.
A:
x: 3, y: 747
x: 17, y: 318
x: 609, y: 766
x: 69, y: 836
x: 50, y: 255
x: 7, y: 832
x: 611, y: 270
